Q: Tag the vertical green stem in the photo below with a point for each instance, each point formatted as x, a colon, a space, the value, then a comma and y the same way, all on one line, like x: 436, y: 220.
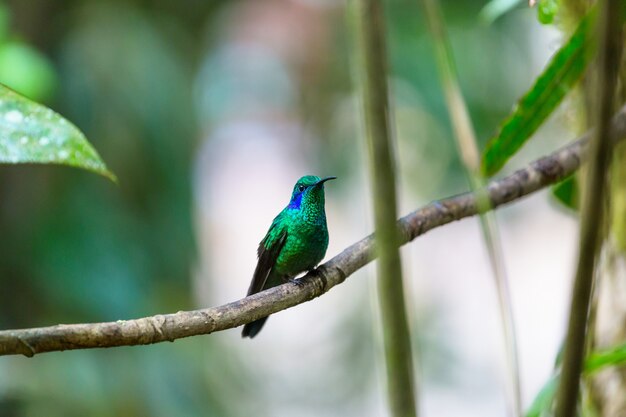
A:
x: 468, y: 150
x: 396, y: 335
x: 592, y: 208
x: 618, y: 198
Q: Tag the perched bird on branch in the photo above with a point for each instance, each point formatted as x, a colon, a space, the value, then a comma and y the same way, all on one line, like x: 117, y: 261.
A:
x: 296, y: 241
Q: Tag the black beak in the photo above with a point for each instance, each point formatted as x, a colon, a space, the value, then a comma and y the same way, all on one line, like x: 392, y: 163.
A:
x: 323, y: 180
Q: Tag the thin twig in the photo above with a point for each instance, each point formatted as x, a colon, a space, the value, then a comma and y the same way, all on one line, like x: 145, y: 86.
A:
x: 169, y: 327
x: 592, y: 208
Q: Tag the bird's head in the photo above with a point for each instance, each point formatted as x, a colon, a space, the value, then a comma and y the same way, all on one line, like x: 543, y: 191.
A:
x: 308, y: 190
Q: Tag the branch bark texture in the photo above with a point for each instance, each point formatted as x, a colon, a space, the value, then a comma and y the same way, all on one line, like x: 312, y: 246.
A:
x: 169, y: 327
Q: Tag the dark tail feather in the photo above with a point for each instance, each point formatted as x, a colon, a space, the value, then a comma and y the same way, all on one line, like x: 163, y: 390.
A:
x: 252, y: 329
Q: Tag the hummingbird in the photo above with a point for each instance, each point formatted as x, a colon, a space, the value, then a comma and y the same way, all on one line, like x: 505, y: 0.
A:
x: 295, y: 242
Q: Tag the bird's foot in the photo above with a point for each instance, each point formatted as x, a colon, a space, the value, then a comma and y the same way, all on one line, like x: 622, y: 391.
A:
x: 297, y: 281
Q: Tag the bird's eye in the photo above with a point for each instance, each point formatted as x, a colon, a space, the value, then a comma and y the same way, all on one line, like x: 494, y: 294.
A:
x: 301, y: 188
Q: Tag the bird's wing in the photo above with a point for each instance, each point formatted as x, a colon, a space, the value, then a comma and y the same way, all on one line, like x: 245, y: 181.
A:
x: 268, y: 252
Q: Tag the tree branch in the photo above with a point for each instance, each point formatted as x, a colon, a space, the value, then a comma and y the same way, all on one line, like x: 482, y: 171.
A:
x: 169, y: 327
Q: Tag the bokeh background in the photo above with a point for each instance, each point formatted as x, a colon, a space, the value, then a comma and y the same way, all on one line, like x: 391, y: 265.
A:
x: 208, y: 111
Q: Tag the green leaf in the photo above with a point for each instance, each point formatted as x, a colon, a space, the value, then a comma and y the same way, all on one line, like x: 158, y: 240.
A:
x: 564, y: 70
x: 596, y: 361
x: 32, y: 133
x: 546, y: 11
x: 613, y: 357
x: 566, y: 192
x: 27, y: 71
x: 542, y: 403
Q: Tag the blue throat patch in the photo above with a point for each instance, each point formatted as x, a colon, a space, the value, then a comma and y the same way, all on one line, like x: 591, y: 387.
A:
x: 296, y: 201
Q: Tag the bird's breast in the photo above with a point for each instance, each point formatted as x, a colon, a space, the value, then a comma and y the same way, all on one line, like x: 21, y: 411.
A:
x: 304, y: 248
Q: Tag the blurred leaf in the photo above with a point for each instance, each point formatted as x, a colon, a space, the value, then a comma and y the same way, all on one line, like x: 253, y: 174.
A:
x: 612, y: 357
x: 542, y: 403
x: 546, y: 10
x: 32, y: 133
x: 26, y: 70
x: 496, y: 8
x: 561, y: 74
x: 566, y: 192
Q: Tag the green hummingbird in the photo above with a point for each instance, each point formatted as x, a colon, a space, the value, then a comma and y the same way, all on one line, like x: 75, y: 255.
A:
x: 296, y: 241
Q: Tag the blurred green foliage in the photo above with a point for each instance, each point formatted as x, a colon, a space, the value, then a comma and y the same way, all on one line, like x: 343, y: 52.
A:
x: 547, y: 11
x: 599, y: 360
x: 559, y: 77
x: 22, y: 67
x: 567, y: 193
x: 425, y: 130
x: 77, y: 249
x: 543, y: 404
x: 27, y: 71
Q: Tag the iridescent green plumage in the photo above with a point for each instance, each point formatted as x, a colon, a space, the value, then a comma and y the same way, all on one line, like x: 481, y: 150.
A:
x: 296, y: 241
